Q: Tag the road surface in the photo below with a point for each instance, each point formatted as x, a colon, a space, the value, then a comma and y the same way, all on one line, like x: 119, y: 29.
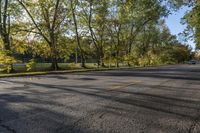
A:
x: 162, y: 99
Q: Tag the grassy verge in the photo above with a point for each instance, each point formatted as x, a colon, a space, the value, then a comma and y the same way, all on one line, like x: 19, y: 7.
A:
x: 21, y: 74
x: 44, y: 69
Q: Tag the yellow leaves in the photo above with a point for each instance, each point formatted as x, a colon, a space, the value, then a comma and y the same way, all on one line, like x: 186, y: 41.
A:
x: 41, y: 49
x: 197, y: 55
x: 6, y: 61
x: 30, y: 65
x: 19, y: 46
x: 149, y: 59
x: 1, y: 44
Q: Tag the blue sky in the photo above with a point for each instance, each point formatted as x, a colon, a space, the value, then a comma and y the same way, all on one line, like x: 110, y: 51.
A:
x: 174, y: 23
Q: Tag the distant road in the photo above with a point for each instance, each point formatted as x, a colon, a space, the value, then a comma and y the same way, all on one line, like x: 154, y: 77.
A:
x: 147, y: 100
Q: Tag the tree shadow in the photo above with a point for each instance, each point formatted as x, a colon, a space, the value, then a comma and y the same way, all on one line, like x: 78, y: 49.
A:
x: 148, y: 101
x: 150, y: 74
x: 53, y: 77
x: 61, y: 123
x: 22, y: 114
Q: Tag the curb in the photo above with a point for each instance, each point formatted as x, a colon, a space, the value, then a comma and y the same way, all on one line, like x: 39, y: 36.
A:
x: 28, y: 74
x: 59, y: 72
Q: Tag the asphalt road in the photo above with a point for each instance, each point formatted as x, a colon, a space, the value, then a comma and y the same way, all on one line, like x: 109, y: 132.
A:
x: 152, y: 100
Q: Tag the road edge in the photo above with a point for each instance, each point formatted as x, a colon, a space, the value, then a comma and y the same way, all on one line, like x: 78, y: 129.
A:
x: 25, y: 74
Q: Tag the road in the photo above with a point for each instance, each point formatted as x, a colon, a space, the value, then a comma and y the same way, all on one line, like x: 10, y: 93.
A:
x: 162, y: 99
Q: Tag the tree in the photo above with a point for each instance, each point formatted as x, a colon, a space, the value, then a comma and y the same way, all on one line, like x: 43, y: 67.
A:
x: 5, y: 24
x: 73, y: 6
x: 5, y: 33
x: 47, y: 18
x: 192, y: 18
x: 95, y: 15
x: 107, y: 31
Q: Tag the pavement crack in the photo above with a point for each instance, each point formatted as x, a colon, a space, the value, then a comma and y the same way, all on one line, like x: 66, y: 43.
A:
x: 8, y: 128
x: 76, y: 123
x: 194, y: 124
x: 101, y: 116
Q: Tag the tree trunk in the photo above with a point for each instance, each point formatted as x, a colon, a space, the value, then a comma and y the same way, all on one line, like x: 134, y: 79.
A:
x: 5, y: 29
x: 83, y: 61
x: 117, y: 58
x: 54, y: 64
x: 98, y: 59
x: 118, y: 45
x: 102, y: 57
x: 77, y: 35
x: 54, y: 61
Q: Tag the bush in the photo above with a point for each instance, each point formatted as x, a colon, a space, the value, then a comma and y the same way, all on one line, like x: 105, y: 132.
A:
x: 30, y: 65
x: 6, y: 62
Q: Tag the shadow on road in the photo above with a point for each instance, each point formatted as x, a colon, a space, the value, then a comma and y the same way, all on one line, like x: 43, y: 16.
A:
x: 185, y: 75
x: 22, y: 117
x: 40, y: 111
x: 144, y: 100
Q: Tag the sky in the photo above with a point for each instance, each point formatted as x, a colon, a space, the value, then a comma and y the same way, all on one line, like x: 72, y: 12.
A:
x: 174, y: 23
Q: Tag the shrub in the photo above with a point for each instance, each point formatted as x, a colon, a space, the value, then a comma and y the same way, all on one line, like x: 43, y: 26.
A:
x: 6, y: 61
x: 30, y: 65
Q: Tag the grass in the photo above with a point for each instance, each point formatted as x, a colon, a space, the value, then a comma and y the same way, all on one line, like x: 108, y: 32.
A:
x: 44, y: 68
x: 47, y: 67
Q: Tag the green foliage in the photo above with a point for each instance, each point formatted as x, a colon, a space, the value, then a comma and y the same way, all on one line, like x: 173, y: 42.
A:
x: 149, y: 59
x: 192, y: 18
x: 175, y: 54
x: 107, y: 31
x: 132, y: 58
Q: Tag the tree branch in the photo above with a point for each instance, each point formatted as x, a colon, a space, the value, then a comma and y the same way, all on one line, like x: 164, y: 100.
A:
x: 34, y: 22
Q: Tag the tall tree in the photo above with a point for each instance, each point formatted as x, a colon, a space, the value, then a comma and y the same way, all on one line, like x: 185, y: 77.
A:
x: 5, y: 31
x: 47, y: 17
x: 73, y: 6
x: 5, y: 23
x: 95, y: 14
x: 192, y: 18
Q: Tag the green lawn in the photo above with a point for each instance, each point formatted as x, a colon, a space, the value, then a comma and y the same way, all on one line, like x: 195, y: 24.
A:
x: 46, y: 67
